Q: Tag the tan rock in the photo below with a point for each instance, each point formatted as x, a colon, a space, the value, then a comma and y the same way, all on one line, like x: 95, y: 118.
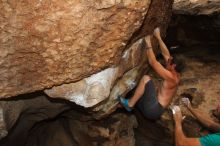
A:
x: 88, y: 91
x: 98, y: 87
x: 47, y: 43
x: 196, y: 7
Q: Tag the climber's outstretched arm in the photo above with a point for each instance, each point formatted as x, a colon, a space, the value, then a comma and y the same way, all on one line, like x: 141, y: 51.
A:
x: 159, y: 69
x: 205, y: 119
x: 164, y: 50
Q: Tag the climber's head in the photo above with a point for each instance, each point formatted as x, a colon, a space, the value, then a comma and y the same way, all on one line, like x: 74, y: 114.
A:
x: 175, y: 63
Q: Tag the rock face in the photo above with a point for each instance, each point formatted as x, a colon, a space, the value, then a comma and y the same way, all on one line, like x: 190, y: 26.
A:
x: 96, y: 88
x: 93, y: 47
x: 107, y: 85
x: 196, y: 7
x: 47, y: 43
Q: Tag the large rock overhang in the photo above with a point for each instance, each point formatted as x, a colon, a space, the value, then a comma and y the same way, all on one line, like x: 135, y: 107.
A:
x: 45, y: 44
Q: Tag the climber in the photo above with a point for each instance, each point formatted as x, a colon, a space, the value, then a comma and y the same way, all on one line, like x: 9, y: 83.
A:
x: 152, y: 105
x: 208, y: 140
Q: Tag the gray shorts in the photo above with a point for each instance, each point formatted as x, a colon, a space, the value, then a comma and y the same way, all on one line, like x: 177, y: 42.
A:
x: 148, y: 103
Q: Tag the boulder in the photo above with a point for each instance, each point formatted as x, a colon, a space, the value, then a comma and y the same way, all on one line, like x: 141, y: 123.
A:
x: 47, y: 43
x: 96, y: 88
x: 85, y: 52
x: 196, y: 7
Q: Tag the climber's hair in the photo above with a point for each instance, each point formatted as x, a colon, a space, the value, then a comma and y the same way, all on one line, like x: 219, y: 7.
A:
x: 180, y: 65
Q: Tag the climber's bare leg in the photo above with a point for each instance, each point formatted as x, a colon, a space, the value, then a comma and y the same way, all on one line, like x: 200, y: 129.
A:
x: 163, y: 47
x: 139, y: 91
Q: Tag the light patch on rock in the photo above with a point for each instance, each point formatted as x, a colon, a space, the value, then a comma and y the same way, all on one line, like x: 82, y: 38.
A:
x: 98, y: 88
x: 108, y: 83
x: 3, y: 131
x: 126, y: 54
x: 88, y: 92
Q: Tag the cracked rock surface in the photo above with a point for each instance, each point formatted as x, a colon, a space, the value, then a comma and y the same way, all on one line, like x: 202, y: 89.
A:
x: 47, y: 43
